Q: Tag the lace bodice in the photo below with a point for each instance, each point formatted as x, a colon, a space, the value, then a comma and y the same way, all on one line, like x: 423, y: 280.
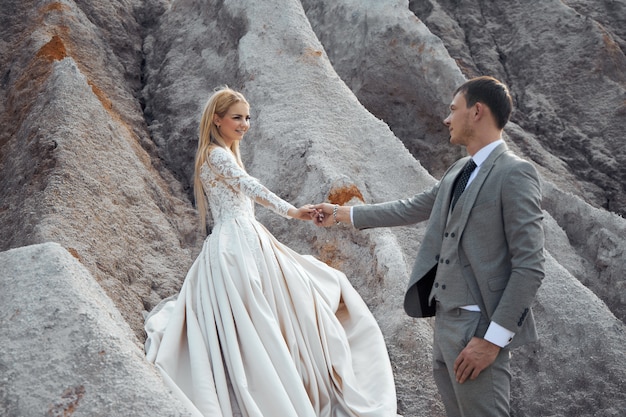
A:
x: 232, y: 192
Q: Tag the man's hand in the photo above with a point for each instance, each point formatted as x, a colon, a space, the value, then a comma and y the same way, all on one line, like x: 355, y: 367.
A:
x: 324, y: 216
x: 330, y: 214
x: 477, y: 355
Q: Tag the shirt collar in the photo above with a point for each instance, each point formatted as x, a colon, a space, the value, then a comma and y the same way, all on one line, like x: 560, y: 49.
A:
x: 482, y: 155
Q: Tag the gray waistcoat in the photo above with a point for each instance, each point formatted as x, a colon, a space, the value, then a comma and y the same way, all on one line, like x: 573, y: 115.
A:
x: 450, y: 288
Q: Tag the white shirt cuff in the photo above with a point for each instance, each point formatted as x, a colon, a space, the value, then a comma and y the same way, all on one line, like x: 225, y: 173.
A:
x: 498, y: 335
x: 351, y: 219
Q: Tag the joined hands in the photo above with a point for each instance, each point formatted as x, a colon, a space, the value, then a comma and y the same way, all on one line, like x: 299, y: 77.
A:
x: 323, y: 214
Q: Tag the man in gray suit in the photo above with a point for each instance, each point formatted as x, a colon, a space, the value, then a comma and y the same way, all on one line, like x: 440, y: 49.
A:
x: 481, y: 262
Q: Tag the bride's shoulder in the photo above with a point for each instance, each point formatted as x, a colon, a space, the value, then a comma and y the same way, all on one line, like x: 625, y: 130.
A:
x: 219, y: 154
x: 222, y: 162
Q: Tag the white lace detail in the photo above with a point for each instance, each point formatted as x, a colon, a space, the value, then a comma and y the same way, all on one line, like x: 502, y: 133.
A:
x: 231, y: 191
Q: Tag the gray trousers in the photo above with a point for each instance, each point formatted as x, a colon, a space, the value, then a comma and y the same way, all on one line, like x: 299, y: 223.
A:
x: 486, y: 396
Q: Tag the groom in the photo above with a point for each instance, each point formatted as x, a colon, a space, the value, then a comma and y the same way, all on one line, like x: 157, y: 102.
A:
x: 481, y: 262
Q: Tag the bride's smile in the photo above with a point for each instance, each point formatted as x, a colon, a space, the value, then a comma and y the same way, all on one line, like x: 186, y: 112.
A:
x: 235, y: 123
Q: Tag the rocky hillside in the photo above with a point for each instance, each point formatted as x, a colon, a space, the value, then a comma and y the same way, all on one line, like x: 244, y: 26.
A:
x: 99, y: 106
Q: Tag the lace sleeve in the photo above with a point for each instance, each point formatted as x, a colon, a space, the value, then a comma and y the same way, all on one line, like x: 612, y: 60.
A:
x: 224, y: 164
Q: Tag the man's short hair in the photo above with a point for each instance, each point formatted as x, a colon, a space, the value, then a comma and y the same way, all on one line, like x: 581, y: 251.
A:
x: 492, y: 93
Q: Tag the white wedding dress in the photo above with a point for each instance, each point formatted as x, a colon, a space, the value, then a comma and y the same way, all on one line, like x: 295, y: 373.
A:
x: 259, y: 330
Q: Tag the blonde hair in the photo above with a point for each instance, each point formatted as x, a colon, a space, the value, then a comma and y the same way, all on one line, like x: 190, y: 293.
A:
x: 209, y: 137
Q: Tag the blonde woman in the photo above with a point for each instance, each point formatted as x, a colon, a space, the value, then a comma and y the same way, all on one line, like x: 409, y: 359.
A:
x: 258, y: 329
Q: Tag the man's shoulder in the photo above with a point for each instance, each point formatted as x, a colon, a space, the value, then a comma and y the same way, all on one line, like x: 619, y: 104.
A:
x: 513, y: 161
x: 515, y: 172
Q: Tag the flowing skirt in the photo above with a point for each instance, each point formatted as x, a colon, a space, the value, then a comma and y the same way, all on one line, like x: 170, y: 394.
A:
x: 259, y: 330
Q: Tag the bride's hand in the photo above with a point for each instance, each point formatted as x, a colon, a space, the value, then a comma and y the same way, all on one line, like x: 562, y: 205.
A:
x: 306, y: 212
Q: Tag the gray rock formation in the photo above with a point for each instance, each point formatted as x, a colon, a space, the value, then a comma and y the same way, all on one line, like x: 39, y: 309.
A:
x: 65, y: 347
x: 77, y: 164
x: 100, y: 103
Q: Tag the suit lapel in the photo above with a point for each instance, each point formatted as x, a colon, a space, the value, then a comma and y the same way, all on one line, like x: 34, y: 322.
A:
x: 471, y: 193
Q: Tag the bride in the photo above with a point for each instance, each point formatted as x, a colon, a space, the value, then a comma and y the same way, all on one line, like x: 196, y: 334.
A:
x: 257, y: 329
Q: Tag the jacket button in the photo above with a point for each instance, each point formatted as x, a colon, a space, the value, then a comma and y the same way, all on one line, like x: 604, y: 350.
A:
x: 436, y: 285
x: 445, y: 234
x: 436, y: 257
x: 452, y: 234
x: 443, y: 287
x: 447, y: 261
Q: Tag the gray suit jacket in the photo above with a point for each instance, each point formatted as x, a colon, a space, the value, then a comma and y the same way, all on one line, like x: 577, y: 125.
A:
x: 500, y: 245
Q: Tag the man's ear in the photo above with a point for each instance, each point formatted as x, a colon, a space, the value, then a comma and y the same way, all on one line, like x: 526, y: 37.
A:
x: 480, y: 110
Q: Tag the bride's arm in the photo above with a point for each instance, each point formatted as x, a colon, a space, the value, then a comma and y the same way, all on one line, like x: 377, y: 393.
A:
x: 224, y: 163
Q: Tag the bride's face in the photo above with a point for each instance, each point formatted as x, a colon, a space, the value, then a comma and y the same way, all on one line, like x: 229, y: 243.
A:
x: 235, y: 123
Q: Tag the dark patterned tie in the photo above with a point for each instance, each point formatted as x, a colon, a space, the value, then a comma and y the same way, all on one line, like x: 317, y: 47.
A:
x: 461, y: 182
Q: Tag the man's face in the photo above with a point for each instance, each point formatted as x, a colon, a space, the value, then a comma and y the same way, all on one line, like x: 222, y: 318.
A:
x: 459, y: 121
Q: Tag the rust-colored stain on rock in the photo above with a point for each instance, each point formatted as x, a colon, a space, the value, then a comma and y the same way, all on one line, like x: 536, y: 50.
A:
x: 75, y: 254
x: 106, y: 102
x: 328, y: 254
x: 53, y: 50
x: 56, y: 6
x: 68, y: 403
x: 341, y: 195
